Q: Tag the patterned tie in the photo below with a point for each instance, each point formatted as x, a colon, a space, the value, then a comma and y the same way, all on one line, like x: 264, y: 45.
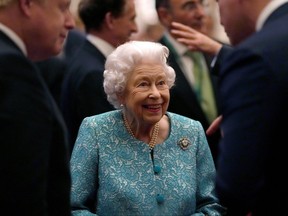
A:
x: 202, y: 85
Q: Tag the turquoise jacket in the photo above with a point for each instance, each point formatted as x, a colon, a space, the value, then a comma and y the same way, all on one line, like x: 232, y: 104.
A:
x: 115, y: 174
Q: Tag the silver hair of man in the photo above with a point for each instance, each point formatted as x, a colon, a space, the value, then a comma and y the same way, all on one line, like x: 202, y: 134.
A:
x: 125, y: 58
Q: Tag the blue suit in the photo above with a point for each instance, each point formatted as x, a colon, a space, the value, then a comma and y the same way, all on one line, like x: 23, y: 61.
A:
x: 254, y: 93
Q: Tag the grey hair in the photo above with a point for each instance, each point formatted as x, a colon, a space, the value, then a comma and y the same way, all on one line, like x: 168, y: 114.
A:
x: 122, y: 61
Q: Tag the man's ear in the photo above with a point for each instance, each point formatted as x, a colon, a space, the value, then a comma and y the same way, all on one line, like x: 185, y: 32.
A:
x: 109, y: 20
x: 164, y: 16
x: 25, y: 6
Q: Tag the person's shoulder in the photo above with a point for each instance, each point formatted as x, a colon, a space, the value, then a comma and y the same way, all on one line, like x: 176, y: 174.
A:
x: 74, y: 39
x: 106, y: 121
x: 10, y: 50
x: 182, y: 119
x: 88, y: 64
x: 105, y: 117
x: 13, y: 59
x: 87, y: 57
x: 7, y: 45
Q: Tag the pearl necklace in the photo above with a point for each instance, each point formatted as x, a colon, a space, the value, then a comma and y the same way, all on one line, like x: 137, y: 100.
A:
x: 155, y: 132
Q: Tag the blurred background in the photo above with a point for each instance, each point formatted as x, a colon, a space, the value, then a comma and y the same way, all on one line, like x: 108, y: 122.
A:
x: 150, y: 28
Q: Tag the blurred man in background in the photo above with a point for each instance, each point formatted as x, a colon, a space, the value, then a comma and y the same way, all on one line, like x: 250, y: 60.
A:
x: 107, y: 23
x: 34, y: 162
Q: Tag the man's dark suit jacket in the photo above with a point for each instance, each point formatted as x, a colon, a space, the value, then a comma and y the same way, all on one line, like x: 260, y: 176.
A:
x: 219, y: 59
x: 183, y: 99
x: 53, y: 71
x: 34, y: 162
x: 82, y: 91
x: 253, y: 83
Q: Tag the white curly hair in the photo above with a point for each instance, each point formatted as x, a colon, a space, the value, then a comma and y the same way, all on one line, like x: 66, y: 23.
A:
x: 125, y: 58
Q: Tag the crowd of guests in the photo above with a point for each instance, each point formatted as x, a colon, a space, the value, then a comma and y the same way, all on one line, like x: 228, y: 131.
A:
x: 95, y: 123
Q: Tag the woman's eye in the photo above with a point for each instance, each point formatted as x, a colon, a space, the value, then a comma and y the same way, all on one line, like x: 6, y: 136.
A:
x: 143, y: 84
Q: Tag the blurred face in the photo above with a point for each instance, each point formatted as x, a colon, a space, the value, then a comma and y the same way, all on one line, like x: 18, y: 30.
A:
x: 236, y: 23
x: 50, y: 22
x: 146, y: 95
x: 125, y: 25
x: 187, y: 12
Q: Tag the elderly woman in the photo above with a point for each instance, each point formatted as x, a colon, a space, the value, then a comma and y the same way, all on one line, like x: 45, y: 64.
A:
x: 141, y: 159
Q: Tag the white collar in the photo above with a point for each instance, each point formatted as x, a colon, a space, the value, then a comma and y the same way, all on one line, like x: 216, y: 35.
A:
x: 101, y: 44
x: 181, y: 49
x: 267, y: 11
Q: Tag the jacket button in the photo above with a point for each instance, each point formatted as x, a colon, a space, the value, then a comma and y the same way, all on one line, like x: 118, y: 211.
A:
x: 160, y: 198
x: 157, y: 169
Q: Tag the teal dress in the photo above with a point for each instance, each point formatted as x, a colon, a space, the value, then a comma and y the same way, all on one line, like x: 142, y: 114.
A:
x: 115, y: 174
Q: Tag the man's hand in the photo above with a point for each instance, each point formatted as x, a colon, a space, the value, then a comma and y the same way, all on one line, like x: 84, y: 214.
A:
x: 215, y: 125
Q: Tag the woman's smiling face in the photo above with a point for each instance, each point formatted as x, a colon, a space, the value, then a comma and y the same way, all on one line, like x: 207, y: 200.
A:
x: 147, y: 95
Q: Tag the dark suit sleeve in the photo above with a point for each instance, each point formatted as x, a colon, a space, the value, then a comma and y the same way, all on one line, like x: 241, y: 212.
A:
x: 244, y: 87
x: 33, y: 164
x: 219, y: 58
